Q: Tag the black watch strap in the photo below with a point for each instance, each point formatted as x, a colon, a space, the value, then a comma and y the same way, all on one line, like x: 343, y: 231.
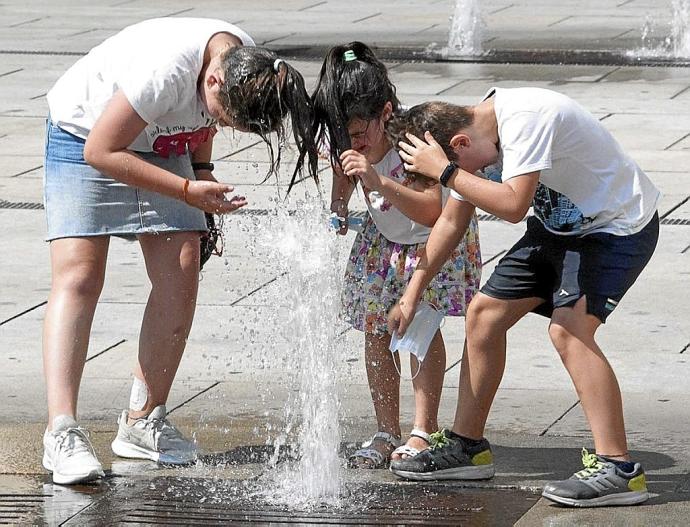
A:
x: 203, y: 166
x: 447, y: 172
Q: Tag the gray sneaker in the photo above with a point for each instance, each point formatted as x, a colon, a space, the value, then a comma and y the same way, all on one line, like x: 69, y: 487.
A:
x: 448, y: 457
x: 68, y: 454
x: 153, y: 437
x: 599, y: 484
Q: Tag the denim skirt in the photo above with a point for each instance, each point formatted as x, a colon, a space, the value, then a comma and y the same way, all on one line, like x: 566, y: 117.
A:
x: 81, y: 201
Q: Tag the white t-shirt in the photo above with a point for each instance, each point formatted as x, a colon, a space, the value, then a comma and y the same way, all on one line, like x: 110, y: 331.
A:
x: 156, y: 63
x: 392, y: 223
x: 587, y: 182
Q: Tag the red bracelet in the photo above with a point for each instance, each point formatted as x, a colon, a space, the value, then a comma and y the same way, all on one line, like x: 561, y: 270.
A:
x: 185, y: 188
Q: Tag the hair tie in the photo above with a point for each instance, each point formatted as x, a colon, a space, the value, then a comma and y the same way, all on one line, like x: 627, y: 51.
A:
x: 276, y: 64
x: 349, y: 55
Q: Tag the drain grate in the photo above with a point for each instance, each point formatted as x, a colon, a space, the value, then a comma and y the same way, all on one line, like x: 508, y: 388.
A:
x: 203, y: 501
x: 17, y: 509
x: 27, y: 205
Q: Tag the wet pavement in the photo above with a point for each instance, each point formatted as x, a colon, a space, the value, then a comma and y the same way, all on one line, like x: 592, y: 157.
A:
x: 155, y: 500
x: 180, y: 500
x: 232, y: 387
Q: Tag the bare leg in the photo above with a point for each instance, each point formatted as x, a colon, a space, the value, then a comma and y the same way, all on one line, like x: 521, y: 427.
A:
x: 572, y: 333
x: 427, y: 385
x: 172, y: 263
x: 488, y: 321
x: 78, y: 271
x: 384, y: 386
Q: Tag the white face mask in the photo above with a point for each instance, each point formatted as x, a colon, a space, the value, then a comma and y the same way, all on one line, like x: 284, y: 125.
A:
x: 417, y: 339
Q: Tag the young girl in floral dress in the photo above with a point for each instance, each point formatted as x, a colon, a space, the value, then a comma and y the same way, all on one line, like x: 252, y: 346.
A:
x: 353, y: 101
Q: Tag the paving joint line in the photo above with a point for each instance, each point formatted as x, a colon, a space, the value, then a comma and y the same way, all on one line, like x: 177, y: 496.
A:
x: 27, y: 171
x: 366, y: 18
x: 238, y: 151
x: 545, y: 431
x: 614, y: 70
x: 673, y: 209
x: 258, y: 288
x: 181, y: 11
x: 681, y: 92
x: 501, y: 9
x: 676, y: 142
x: 11, y: 72
x: 106, y: 349
x: 312, y: 5
x: 23, y: 312
x: 194, y: 396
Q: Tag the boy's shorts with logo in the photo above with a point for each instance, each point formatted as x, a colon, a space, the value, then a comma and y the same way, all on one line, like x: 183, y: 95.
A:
x: 562, y: 269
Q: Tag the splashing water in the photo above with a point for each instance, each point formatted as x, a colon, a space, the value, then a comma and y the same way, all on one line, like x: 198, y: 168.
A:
x: 680, y: 28
x: 676, y: 43
x: 307, y: 253
x: 467, y: 26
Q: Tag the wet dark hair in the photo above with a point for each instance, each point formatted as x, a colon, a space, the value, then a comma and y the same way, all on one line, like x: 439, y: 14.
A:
x: 258, y: 97
x: 442, y: 119
x: 357, y: 88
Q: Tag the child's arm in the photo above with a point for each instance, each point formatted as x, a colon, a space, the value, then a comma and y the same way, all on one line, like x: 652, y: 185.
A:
x: 106, y: 150
x: 419, y: 202
x: 445, y: 236
x: 341, y: 192
x: 509, y: 201
x: 202, y: 154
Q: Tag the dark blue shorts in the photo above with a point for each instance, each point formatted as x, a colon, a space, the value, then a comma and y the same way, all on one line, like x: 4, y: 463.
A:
x: 562, y: 269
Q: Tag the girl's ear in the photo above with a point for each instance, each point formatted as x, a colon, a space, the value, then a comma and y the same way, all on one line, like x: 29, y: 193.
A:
x: 387, y: 111
x: 213, y: 80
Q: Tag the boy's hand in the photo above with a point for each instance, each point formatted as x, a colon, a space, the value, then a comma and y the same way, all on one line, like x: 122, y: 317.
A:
x: 400, y: 316
x: 426, y: 158
x: 356, y: 166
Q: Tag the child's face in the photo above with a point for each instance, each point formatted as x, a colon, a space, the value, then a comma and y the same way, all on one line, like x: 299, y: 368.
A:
x: 368, y: 136
x: 209, y: 90
x: 473, y: 151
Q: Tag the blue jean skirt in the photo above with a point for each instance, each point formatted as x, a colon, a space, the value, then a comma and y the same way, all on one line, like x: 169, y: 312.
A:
x: 81, y: 201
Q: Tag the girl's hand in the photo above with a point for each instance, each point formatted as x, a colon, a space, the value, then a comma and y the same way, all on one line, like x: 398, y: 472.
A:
x: 401, y: 315
x: 426, y: 158
x: 339, y: 208
x: 209, y: 196
x: 356, y: 166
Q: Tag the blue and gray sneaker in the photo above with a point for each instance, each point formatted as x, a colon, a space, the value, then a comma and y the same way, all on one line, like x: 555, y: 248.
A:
x: 448, y: 457
x: 599, y: 484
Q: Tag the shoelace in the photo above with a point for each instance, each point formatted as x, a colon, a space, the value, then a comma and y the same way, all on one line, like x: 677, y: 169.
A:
x: 591, y: 463
x: 162, y: 428
x: 73, y: 440
x: 438, y: 439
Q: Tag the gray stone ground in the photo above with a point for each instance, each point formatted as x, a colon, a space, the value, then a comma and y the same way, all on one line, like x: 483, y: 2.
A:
x: 227, y: 388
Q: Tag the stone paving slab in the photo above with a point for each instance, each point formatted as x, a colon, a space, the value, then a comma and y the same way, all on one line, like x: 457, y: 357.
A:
x: 229, y: 391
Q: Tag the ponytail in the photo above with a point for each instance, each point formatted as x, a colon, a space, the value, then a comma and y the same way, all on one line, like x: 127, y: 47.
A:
x: 258, y: 92
x: 353, y: 84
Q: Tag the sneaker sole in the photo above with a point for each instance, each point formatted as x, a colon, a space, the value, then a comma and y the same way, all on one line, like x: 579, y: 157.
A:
x: 461, y: 473
x: 72, y: 479
x: 622, y: 498
x: 130, y: 451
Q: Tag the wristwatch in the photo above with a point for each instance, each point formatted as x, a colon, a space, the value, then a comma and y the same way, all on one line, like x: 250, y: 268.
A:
x: 203, y: 166
x: 447, y: 172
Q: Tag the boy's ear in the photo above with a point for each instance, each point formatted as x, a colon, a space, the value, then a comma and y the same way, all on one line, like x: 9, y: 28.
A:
x: 459, y: 141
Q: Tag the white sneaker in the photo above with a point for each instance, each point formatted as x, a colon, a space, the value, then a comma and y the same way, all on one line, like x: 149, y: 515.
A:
x: 68, y: 454
x: 155, y: 438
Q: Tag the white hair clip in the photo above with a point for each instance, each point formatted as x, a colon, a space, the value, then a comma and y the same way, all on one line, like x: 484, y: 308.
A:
x: 276, y: 64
